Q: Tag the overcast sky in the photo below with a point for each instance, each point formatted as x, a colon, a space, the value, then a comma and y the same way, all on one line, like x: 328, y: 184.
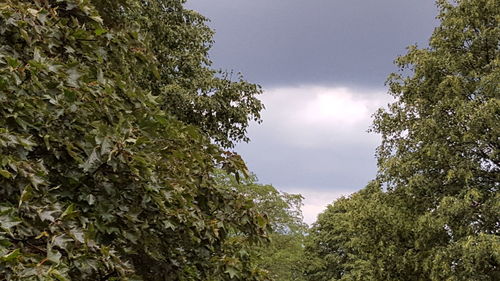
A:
x: 322, y: 64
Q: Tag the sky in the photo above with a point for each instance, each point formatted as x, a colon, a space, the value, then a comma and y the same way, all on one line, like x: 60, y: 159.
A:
x: 322, y: 65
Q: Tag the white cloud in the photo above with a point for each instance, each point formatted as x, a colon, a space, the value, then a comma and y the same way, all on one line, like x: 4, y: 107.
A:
x: 312, y: 116
x: 335, y: 105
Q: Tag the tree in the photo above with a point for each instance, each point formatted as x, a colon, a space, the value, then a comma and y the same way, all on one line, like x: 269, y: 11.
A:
x: 283, y: 257
x: 440, y: 149
x: 438, y: 163
x: 106, y: 152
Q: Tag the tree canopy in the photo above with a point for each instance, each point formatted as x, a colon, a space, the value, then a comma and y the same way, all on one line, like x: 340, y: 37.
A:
x: 433, y: 211
x: 112, y: 124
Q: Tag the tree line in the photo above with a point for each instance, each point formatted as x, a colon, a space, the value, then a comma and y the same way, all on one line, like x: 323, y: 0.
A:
x: 116, y: 159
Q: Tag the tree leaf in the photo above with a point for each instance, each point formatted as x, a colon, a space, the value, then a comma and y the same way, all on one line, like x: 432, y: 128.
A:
x: 5, y: 174
x: 54, y: 256
x: 92, y: 162
x: 11, y: 256
x: 233, y: 272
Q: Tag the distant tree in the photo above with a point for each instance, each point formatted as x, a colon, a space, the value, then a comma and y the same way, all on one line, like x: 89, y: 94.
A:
x: 361, y: 237
x: 283, y: 257
x: 437, y: 218
x: 108, y: 115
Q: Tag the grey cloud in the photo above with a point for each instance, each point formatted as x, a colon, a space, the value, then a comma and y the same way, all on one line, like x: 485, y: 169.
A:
x: 286, y: 42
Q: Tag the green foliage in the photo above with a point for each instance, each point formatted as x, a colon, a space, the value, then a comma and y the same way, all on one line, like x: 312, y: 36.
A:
x: 107, y: 112
x: 283, y: 257
x: 439, y: 166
